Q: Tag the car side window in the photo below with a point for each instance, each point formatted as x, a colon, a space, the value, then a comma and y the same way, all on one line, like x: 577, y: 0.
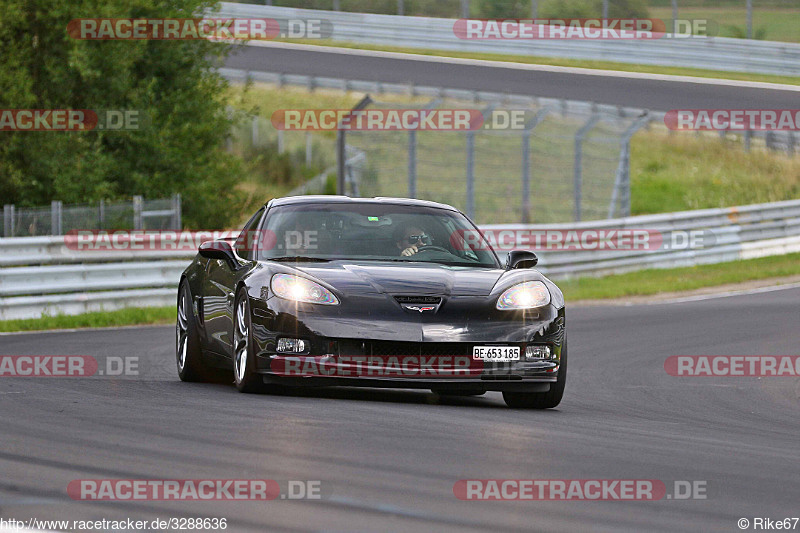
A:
x: 246, y: 242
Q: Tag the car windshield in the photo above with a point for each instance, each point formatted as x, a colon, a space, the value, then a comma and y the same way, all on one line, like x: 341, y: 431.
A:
x: 373, y: 232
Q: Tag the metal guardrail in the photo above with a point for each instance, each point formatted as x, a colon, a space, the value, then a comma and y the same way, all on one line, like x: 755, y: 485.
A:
x: 713, y: 53
x: 58, y: 279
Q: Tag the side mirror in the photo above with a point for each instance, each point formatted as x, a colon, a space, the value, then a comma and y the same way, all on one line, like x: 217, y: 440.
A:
x: 219, y: 250
x: 521, y: 259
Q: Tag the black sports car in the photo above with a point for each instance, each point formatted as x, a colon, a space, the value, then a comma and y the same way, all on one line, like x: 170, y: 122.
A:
x: 380, y: 292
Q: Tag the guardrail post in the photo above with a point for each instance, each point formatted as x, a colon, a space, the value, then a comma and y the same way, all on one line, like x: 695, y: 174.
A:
x: 137, y: 213
x: 176, y: 212
x: 56, y: 219
x: 8, y: 220
x: 471, y: 174
x: 412, y: 164
x: 578, y: 165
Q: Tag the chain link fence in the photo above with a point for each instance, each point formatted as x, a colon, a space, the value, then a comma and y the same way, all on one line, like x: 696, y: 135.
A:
x: 570, y: 161
x: 59, y: 219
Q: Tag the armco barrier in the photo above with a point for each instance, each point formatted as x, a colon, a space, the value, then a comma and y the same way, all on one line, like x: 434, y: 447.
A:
x: 43, y: 275
x: 713, y: 53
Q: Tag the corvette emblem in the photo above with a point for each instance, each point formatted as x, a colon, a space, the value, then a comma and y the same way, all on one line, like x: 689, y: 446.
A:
x: 420, y: 308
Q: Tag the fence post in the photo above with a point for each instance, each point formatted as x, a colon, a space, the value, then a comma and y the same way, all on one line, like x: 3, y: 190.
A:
x: 56, y: 219
x: 747, y: 136
x: 336, y: 6
x: 309, y: 153
x: 400, y: 8
x: 464, y: 9
x: 471, y: 174
x: 412, y: 164
x: 578, y: 166
x: 102, y: 214
x: 526, y: 176
x: 749, y: 5
x: 622, y: 181
x: 534, y: 9
x: 341, y: 152
x: 8, y: 220
x: 176, y: 212
x: 280, y: 142
x: 254, y: 132
x: 137, y: 213
x: 526, y: 161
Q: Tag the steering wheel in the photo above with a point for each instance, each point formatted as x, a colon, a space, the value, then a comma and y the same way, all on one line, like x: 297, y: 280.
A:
x: 431, y: 249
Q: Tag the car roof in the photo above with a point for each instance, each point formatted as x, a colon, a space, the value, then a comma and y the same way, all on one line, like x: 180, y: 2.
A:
x: 334, y: 199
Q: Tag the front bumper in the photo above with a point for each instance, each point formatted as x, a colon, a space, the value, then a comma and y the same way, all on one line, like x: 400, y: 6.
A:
x: 403, y: 359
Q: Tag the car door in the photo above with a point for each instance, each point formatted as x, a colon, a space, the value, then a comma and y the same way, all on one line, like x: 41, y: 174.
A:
x: 220, y: 286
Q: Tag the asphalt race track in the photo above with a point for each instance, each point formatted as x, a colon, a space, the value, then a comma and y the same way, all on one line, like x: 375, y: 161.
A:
x: 655, y: 94
x: 388, y: 460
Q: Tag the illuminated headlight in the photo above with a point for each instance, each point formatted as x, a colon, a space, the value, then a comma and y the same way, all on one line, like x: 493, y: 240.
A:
x: 291, y: 346
x: 538, y: 351
x: 527, y: 295
x: 299, y: 289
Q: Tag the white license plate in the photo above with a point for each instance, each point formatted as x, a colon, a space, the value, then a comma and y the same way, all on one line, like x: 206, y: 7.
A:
x: 496, y: 353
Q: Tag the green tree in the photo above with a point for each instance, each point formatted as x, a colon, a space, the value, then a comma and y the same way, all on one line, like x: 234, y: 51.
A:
x: 180, y: 144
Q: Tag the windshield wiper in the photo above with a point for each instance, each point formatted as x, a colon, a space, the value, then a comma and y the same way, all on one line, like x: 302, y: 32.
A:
x: 298, y: 259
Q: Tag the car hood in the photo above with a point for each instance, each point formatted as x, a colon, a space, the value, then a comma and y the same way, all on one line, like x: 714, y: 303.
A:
x: 404, y: 278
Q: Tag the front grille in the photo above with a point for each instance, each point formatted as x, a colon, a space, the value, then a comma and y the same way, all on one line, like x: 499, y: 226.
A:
x: 430, y: 300
x: 392, y: 348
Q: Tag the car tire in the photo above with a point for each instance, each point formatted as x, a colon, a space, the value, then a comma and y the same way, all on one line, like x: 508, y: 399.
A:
x: 542, y: 400
x: 244, y: 360
x: 188, y: 354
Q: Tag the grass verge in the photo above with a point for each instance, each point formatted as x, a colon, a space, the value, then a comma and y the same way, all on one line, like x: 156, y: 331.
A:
x: 641, y: 283
x: 655, y: 281
x: 563, y: 62
x: 122, y: 317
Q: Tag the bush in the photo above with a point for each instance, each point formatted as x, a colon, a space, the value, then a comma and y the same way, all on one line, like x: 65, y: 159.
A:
x: 179, y: 148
